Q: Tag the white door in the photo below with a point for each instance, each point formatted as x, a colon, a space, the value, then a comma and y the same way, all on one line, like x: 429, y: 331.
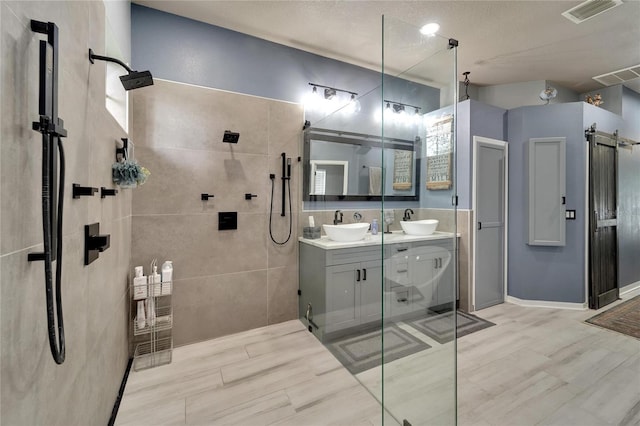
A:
x: 490, y: 213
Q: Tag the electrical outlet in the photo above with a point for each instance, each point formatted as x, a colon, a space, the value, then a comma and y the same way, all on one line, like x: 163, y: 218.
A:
x: 570, y: 214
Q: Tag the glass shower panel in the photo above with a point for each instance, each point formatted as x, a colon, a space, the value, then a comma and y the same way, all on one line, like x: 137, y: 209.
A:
x: 340, y: 275
x: 419, y: 280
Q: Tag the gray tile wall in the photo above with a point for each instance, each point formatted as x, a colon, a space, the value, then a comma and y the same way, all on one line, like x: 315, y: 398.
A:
x: 34, y: 390
x: 225, y: 281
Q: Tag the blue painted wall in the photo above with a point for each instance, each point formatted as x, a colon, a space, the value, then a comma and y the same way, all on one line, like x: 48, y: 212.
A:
x: 537, y: 272
x: 181, y: 49
x: 551, y: 273
x: 474, y: 119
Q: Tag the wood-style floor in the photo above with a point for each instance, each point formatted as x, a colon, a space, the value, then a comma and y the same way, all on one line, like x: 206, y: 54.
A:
x: 536, y: 366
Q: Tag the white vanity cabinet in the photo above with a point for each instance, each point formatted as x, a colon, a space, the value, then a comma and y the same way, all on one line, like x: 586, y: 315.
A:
x: 419, y: 275
x: 353, y: 294
x: 344, y: 288
x: 341, y: 288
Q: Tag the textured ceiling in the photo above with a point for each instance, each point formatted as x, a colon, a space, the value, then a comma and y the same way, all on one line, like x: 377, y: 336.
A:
x: 500, y: 41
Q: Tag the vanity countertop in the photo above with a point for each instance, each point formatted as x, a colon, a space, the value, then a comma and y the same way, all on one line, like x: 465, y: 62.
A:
x: 396, y: 237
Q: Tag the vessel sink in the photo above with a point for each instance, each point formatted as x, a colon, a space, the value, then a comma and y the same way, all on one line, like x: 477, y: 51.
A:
x: 346, y: 232
x: 419, y: 227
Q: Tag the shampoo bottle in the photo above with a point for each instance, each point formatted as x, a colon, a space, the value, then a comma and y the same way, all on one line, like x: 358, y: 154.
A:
x: 156, y: 282
x: 374, y: 227
x: 167, y: 277
x: 139, y: 284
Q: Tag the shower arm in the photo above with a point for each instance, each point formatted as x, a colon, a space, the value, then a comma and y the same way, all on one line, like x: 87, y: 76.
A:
x: 93, y: 56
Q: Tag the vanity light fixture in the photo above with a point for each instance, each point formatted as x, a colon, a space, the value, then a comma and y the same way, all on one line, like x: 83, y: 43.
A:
x: 331, y: 94
x: 399, y: 107
x: 430, y: 29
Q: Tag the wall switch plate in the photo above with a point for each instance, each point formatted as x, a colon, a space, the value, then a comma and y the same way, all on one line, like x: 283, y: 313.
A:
x: 570, y: 214
x: 227, y: 221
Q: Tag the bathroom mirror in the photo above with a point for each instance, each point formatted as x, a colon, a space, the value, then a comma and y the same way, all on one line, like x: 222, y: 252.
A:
x: 346, y: 166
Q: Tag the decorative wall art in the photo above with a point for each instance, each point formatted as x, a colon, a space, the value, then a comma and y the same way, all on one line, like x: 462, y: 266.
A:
x: 439, y: 154
x: 402, y: 170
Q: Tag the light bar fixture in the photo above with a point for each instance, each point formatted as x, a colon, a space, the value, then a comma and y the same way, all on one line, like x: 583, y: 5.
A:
x: 399, y: 107
x: 331, y: 92
x: 331, y: 100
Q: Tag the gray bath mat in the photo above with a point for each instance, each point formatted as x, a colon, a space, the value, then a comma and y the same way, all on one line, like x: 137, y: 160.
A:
x: 440, y: 326
x: 360, y: 352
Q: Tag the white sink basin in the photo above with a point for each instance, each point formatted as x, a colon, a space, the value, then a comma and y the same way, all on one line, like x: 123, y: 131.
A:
x: 346, y: 232
x: 419, y: 227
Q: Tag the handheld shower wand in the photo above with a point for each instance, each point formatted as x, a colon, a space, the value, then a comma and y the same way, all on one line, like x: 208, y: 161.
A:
x: 52, y: 129
x: 286, y: 183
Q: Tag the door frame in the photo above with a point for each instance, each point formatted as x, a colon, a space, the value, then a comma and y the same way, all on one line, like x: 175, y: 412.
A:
x: 474, y: 207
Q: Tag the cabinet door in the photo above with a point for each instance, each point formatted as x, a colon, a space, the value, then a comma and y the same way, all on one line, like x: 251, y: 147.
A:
x: 424, y: 261
x: 343, y: 304
x: 370, y: 291
x: 444, y: 278
x: 546, y: 191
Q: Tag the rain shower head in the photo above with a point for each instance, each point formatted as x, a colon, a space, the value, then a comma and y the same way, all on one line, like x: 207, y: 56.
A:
x: 136, y: 79
x: 132, y: 80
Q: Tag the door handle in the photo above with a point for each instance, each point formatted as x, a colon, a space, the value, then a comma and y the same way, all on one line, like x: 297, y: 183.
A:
x: 440, y: 259
x: 435, y: 260
x: 364, y: 274
x: 403, y: 249
x: 358, y: 278
x: 479, y: 226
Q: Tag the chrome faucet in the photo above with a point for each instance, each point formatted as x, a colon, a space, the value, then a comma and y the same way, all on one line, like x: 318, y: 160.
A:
x: 407, y: 214
x: 337, y: 217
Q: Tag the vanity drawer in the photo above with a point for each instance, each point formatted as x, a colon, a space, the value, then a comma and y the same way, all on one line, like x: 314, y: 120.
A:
x: 353, y: 255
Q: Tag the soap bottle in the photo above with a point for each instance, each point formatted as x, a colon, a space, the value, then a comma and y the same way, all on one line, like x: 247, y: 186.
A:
x: 139, y: 284
x: 374, y: 227
x: 156, y: 281
x: 167, y: 277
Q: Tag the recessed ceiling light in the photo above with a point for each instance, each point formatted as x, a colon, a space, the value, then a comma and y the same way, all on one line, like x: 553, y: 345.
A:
x: 430, y: 28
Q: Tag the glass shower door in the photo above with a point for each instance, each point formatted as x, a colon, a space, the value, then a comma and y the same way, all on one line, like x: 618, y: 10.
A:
x: 383, y: 303
x: 419, y: 290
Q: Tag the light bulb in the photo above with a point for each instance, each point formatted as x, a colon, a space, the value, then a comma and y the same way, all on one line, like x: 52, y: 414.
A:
x: 430, y: 29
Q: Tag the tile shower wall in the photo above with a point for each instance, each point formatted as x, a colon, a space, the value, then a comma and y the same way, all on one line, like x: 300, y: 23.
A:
x: 225, y: 281
x: 34, y: 390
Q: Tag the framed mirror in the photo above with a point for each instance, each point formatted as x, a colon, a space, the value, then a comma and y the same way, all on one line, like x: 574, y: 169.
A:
x: 351, y: 167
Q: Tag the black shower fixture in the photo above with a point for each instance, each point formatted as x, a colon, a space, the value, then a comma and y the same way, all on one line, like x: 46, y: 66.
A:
x: 53, y: 177
x: 132, y: 80
x: 230, y: 137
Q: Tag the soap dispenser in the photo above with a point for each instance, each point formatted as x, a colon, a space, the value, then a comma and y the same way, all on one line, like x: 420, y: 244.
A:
x: 157, y: 289
x: 167, y: 277
x: 139, y: 284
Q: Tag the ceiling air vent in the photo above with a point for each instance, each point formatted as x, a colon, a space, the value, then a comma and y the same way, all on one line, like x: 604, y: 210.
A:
x: 589, y: 9
x: 620, y: 76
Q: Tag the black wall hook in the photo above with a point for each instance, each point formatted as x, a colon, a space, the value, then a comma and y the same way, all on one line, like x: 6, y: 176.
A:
x: 122, y: 153
x: 83, y: 191
x: 205, y: 197
x: 104, y: 192
x: 249, y: 196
